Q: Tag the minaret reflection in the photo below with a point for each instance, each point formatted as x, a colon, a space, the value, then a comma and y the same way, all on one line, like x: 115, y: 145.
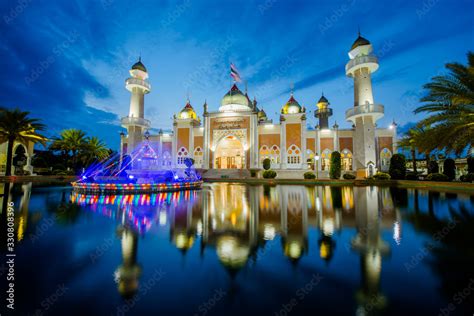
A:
x: 329, y: 218
x: 229, y: 224
x: 373, y: 211
x: 23, y: 214
x: 128, y: 273
x: 294, y: 221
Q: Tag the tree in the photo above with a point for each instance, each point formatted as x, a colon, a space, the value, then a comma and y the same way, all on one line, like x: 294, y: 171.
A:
x: 94, y: 149
x: 433, y: 167
x: 450, y: 101
x: 449, y: 169
x: 413, y: 140
x: 398, y: 167
x: 71, y: 141
x: 15, y: 125
x: 267, y: 163
x: 335, y: 168
x: 189, y: 162
x: 470, y: 164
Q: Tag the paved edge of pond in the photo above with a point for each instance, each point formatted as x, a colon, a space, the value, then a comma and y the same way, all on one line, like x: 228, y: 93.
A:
x: 428, y: 185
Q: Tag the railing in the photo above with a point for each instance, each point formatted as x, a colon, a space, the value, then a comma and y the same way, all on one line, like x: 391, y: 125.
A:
x: 323, y: 111
x: 365, y: 109
x: 136, y: 81
x: 361, y: 60
x: 135, y: 121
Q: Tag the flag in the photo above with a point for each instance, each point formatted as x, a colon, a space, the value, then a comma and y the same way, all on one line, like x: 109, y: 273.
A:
x: 234, y: 73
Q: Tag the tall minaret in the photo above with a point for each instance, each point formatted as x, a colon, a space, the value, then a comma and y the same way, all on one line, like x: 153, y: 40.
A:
x: 365, y: 112
x: 323, y: 112
x: 135, y: 122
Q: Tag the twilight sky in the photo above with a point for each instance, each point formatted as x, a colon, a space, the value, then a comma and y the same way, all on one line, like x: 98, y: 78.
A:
x: 66, y: 61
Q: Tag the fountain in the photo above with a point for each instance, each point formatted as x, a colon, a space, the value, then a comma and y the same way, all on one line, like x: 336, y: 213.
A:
x: 140, y: 172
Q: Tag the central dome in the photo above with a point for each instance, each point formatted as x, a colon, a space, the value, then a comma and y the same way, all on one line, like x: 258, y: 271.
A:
x: 291, y: 107
x: 235, y: 100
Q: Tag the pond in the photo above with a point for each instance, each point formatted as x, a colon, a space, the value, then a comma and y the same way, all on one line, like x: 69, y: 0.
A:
x: 234, y: 249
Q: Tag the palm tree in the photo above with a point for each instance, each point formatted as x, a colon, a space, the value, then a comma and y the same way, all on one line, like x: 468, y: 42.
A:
x: 450, y: 101
x: 94, y: 149
x: 416, y: 139
x: 70, y: 141
x: 15, y: 125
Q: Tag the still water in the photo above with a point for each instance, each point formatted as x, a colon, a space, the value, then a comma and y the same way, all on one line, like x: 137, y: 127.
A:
x: 232, y: 249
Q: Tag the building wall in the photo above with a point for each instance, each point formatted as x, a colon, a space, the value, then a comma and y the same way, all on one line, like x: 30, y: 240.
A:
x: 386, y: 142
x: 293, y: 134
x: 183, y: 138
x: 198, y: 142
x: 311, y: 144
x: 346, y: 142
x: 327, y: 143
x: 269, y: 140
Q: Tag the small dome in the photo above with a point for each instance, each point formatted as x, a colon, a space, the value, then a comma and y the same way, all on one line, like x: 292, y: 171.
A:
x: 139, y: 65
x: 360, y: 41
x: 187, y: 112
x: 291, y: 107
x: 262, y: 116
x: 323, y: 99
x: 235, y: 100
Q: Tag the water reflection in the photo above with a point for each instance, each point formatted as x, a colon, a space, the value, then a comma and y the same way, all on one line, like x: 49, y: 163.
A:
x: 241, y: 224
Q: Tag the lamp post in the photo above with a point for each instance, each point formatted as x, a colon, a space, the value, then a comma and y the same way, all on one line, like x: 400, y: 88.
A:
x: 316, y: 165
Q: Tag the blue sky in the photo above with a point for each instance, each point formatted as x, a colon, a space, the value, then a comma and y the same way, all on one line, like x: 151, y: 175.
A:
x: 66, y: 61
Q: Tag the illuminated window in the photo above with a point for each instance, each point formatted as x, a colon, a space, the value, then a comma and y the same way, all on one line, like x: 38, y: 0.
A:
x: 166, y: 159
x: 198, y: 157
x: 385, y: 156
x: 325, y: 160
x: 346, y: 160
x: 182, y: 155
x: 272, y: 153
x: 293, y: 156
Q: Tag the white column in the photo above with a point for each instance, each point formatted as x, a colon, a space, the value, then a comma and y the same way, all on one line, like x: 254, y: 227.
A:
x: 336, y: 140
x: 303, y: 144
x: 206, y: 143
x: 283, y: 145
x: 174, y: 144
x: 318, y: 147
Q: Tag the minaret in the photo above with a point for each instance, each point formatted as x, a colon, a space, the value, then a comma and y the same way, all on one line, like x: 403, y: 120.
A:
x: 135, y: 122
x: 365, y: 112
x: 323, y: 112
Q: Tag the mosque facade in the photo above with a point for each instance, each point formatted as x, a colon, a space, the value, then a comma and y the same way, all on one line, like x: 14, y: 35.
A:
x: 240, y: 135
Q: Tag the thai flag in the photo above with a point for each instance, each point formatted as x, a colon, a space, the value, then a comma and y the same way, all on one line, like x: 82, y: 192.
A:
x: 234, y: 73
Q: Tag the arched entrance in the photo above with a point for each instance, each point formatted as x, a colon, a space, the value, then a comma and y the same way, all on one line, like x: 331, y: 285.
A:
x: 229, y: 154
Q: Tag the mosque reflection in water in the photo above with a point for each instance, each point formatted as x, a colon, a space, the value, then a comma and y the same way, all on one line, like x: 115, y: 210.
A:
x: 238, y: 220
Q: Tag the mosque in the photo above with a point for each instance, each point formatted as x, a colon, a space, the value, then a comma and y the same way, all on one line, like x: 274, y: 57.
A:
x: 240, y: 135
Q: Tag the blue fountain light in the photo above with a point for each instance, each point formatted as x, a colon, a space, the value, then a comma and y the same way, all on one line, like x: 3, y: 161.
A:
x: 139, y: 172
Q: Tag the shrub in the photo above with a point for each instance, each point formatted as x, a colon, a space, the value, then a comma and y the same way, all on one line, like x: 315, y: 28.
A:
x: 449, y: 169
x: 267, y: 163
x: 433, y: 167
x: 467, y: 177
x: 398, y: 167
x: 437, y: 177
x: 349, y: 176
x: 381, y: 176
x: 253, y: 173
x: 411, y: 176
x: 335, y: 169
x: 470, y: 164
x: 309, y: 175
x: 269, y: 174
